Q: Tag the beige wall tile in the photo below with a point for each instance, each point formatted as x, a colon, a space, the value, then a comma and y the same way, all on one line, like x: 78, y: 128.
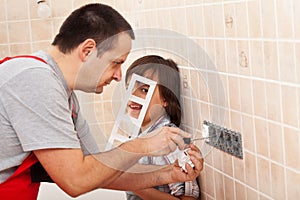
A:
x: 217, y: 159
x: 292, y: 147
x: 218, y: 21
x: 246, y: 95
x: 229, y: 20
x: 296, y: 8
x: 41, y: 30
x: 232, y: 56
x: 219, y: 185
x: 208, y: 15
x: 293, y: 180
x: 240, y: 191
x: 234, y: 93
x: 256, y: 62
x: 17, y: 10
x: 195, y: 75
x: 220, y: 56
x: 248, y: 134
x: 210, y: 50
x: 178, y: 17
x: 262, y: 137
x: 273, y: 101
x: 63, y: 9
x: 271, y: 60
x: 245, y: 62
x: 297, y: 50
x: 290, y: 105
x: 236, y: 123
x: 298, y: 103
x: 4, y: 51
x: 223, y: 90
x: 3, y: 33
x: 287, y: 62
x: 255, y: 28
x: 45, y: 46
x: 251, y: 194
x: 19, y: 32
x: 239, y: 167
x: 213, y: 81
x: 241, y: 20
x: 259, y: 98
x: 227, y: 165
x: 250, y: 170
x: 187, y: 117
x: 284, y: 18
x: 264, y: 179
x: 277, y: 182
x: 195, y: 21
x: 209, y: 181
x: 203, y: 88
x: 3, y: 7
x: 107, y: 109
x: 20, y: 49
x: 197, y: 118
x: 228, y: 188
x: 276, y: 142
x: 268, y: 19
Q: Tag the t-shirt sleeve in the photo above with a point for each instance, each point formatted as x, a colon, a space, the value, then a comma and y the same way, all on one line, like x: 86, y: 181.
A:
x: 87, y: 141
x: 37, y: 106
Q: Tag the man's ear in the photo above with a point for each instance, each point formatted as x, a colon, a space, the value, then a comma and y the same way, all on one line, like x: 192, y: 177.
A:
x: 86, y: 48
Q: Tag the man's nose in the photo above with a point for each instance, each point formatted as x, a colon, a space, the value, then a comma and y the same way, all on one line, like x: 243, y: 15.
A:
x: 117, y: 76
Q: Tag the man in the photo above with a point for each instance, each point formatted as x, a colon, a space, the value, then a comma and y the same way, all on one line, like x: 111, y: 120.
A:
x: 40, y: 120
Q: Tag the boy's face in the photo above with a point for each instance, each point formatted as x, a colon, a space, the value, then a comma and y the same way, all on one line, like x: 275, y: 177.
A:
x: 155, y: 107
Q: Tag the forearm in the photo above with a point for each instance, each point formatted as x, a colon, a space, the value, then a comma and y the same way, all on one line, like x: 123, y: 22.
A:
x: 146, y: 176
x: 76, y: 174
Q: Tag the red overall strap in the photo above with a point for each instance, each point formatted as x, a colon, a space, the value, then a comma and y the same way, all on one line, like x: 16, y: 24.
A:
x: 19, y: 185
x: 22, y: 56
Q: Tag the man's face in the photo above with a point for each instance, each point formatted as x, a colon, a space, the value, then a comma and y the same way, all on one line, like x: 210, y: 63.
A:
x: 98, y: 72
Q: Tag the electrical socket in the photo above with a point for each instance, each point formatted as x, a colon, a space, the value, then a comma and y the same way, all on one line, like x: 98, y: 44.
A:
x: 224, y: 139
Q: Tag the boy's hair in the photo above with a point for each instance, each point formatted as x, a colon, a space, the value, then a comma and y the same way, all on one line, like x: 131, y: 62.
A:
x: 168, y: 81
x: 96, y: 21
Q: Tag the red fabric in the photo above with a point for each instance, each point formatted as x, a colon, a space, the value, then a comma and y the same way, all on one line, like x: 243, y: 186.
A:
x: 22, y: 56
x: 19, y: 185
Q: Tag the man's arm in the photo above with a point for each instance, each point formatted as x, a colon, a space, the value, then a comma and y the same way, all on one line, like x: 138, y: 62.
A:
x: 146, y: 176
x: 76, y: 174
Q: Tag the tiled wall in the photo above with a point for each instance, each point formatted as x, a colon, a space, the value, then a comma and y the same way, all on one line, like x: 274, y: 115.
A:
x: 240, y: 68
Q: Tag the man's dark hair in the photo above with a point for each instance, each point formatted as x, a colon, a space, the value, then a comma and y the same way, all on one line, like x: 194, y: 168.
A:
x: 96, y: 21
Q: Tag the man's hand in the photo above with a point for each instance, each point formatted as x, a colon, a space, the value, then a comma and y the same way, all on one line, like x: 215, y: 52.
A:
x: 164, y: 140
x: 178, y: 175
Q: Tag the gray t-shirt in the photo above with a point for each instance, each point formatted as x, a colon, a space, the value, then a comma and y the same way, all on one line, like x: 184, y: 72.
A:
x: 35, y: 112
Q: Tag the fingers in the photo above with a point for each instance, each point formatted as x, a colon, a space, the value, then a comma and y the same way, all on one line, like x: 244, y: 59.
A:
x: 196, y: 158
x: 166, y: 139
x: 178, y: 136
x: 177, y: 140
x: 180, y: 132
